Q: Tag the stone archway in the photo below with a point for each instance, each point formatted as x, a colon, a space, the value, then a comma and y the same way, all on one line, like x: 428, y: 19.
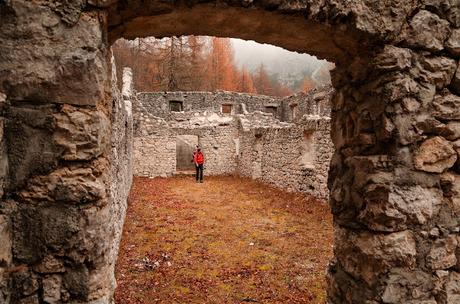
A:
x: 394, y: 177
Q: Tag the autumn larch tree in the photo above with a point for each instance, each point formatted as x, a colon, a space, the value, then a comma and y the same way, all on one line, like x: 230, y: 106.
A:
x: 244, y: 82
x: 220, y: 65
x: 262, y: 81
x: 307, y: 84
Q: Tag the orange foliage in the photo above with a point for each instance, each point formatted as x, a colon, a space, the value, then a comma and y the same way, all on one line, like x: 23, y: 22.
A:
x: 221, y: 73
x: 191, y: 63
x: 262, y: 81
x: 245, y: 82
x: 229, y: 240
x: 307, y: 84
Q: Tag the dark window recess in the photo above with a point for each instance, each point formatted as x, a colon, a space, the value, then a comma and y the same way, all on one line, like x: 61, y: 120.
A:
x: 227, y: 109
x: 271, y: 109
x: 175, y: 106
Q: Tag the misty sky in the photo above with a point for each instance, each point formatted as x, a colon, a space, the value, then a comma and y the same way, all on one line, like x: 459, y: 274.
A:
x: 251, y: 54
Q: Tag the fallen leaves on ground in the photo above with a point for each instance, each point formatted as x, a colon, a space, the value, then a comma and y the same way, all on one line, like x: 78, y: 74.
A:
x: 228, y: 240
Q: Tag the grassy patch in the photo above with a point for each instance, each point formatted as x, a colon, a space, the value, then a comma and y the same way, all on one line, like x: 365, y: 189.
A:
x: 228, y: 240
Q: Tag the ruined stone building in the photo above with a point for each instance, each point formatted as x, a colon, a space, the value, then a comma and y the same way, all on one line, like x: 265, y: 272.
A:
x: 394, y: 181
x: 282, y: 141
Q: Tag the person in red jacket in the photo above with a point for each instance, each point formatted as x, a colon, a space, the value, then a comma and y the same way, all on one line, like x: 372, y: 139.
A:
x: 198, y: 159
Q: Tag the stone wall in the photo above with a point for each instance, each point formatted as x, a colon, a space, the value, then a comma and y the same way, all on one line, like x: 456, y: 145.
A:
x: 316, y: 102
x: 60, y: 228
x: 121, y: 156
x: 253, y: 144
x: 6, y: 224
x: 394, y: 175
x: 155, y: 141
x: 157, y: 103
x: 285, y: 157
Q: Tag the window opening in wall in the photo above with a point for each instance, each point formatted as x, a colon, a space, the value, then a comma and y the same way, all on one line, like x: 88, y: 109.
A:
x: 176, y: 106
x: 185, y: 146
x: 271, y: 109
x: 227, y: 108
x: 294, y: 110
x: 307, y: 158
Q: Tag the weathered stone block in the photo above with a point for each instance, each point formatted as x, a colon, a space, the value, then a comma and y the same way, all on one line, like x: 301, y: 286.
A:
x: 404, y: 284
x: 430, y: 125
x: 394, y: 59
x: 52, y: 289
x: 6, y: 256
x: 82, y: 133
x: 448, y: 9
x: 78, y: 279
x: 452, y: 131
x: 426, y: 94
x: 67, y: 185
x: 435, y: 155
x: 436, y: 70
x: 453, y: 288
x: 24, y: 283
x: 442, y: 253
x: 30, y: 151
x: 400, y: 86
x: 38, y: 230
x: 450, y: 184
x: 427, y: 31
x: 446, y: 106
x: 406, y: 134
x: 49, y: 264
x: 453, y: 44
x: 66, y: 44
x: 366, y: 255
x: 393, y: 209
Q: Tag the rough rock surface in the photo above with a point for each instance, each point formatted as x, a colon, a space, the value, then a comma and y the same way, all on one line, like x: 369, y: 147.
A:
x: 395, y: 90
x: 435, y: 155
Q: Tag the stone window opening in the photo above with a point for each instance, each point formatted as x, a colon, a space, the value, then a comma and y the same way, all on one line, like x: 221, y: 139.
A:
x: 176, y: 106
x: 271, y: 109
x: 227, y: 109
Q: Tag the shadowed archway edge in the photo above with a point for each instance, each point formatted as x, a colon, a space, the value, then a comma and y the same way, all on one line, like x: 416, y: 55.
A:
x: 291, y: 31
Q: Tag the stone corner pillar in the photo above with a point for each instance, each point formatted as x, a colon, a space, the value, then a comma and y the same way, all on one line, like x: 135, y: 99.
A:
x: 66, y: 223
x: 395, y: 175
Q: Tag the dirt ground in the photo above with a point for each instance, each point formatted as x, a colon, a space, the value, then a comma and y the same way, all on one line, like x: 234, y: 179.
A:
x: 228, y: 240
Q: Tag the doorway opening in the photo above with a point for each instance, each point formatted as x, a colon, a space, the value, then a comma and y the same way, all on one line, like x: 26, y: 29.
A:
x: 185, y: 146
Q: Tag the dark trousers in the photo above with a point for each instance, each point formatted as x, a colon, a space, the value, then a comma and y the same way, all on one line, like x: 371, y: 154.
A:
x: 199, y: 172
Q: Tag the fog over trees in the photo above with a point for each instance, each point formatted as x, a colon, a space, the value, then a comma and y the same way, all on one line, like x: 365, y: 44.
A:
x: 194, y: 63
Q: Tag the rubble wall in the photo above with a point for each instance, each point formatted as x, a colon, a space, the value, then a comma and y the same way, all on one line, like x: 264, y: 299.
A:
x: 157, y: 103
x: 277, y: 156
x: 254, y: 144
x: 394, y: 123
x: 316, y: 102
x: 155, y: 141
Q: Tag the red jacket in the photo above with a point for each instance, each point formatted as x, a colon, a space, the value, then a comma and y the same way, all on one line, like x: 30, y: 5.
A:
x: 198, y: 158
